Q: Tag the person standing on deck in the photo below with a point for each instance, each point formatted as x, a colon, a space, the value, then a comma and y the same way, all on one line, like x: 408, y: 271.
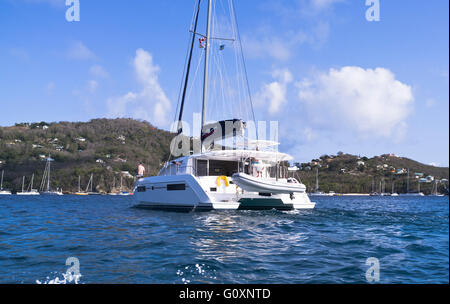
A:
x: 141, y: 171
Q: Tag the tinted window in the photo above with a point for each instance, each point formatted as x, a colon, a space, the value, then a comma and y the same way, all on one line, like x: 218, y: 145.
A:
x: 177, y: 187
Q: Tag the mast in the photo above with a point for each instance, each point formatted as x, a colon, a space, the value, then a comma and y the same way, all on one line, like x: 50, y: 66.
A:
x: 48, y: 175
x: 79, y: 183
x: 205, y: 79
x: 317, y: 179
x: 186, y: 81
x: 407, y: 183
x: 23, y: 184
x: 32, y: 179
x: 1, y: 183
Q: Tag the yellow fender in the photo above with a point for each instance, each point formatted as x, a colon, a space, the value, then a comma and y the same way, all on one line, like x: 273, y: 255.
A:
x: 222, y: 178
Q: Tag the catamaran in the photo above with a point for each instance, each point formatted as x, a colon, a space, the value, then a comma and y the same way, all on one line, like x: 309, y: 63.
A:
x: 226, y: 169
x: 30, y: 190
x: 3, y: 191
x: 45, y: 183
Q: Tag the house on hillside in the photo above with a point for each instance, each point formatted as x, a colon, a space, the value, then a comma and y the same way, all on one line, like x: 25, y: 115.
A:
x: 120, y: 160
x: 401, y: 171
x: 360, y: 163
x: 126, y: 174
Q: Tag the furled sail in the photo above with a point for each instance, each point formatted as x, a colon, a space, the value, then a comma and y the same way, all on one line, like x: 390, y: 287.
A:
x: 222, y: 130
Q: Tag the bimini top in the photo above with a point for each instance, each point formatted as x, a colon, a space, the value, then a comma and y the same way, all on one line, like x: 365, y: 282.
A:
x: 269, y: 156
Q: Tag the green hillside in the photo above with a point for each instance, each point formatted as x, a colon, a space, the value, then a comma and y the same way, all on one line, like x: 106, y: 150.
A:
x: 102, y: 147
x: 109, y: 149
x: 344, y: 173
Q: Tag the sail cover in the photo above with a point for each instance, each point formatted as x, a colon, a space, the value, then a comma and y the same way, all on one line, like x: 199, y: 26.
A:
x: 222, y: 130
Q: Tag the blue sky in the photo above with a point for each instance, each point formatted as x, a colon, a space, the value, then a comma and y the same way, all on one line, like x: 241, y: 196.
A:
x: 333, y: 80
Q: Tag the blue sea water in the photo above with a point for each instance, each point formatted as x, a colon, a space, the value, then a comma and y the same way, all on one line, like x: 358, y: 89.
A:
x: 116, y: 243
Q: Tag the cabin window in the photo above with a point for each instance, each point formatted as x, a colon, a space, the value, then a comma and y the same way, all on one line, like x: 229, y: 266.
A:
x: 176, y: 187
x: 141, y: 189
x: 226, y: 168
x: 202, y: 167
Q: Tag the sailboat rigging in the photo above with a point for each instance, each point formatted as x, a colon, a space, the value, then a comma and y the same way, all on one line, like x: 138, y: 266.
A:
x: 240, y: 172
x: 45, y: 183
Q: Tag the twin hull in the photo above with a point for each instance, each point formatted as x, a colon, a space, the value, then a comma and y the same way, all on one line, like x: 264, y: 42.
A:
x: 187, y: 192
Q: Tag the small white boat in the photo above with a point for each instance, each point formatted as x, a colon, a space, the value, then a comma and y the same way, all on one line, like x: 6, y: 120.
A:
x: 274, y: 186
x: 30, y: 190
x: 2, y: 191
x: 5, y: 192
x: 320, y: 194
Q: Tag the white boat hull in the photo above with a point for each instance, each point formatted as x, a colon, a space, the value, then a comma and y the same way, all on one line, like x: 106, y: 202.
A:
x: 52, y: 193
x: 187, y: 192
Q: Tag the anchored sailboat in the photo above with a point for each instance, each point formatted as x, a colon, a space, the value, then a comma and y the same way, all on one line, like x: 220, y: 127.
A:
x: 317, y: 192
x: 122, y: 192
x: 3, y: 191
x: 407, y: 188
x: 30, y: 190
x: 250, y: 174
x: 45, y: 183
x: 79, y: 188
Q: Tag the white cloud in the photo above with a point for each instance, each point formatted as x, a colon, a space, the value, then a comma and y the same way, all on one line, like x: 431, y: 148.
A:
x: 79, y: 51
x: 370, y: 102
x: 92, y: 86
x: 323, y: 4
x: 98, y: 71
x: 273, y: 95
x: 309, y: 134
x: 151, y: 103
